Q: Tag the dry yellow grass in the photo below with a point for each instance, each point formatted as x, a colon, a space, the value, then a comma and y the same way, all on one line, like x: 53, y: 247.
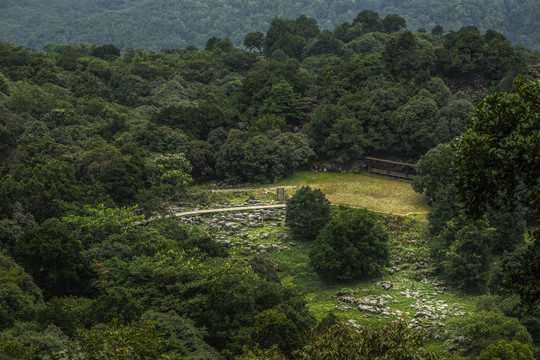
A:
x: 363, y: 191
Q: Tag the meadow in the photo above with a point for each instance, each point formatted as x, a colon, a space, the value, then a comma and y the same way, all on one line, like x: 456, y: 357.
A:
x: 415, y: 290
x: 378, y: 194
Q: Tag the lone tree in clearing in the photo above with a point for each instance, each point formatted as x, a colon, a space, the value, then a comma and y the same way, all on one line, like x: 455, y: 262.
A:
x: 307, y: 212
x: 352, y: 245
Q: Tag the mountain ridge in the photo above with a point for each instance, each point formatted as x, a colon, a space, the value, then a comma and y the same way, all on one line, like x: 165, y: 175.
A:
x: 157, y: 24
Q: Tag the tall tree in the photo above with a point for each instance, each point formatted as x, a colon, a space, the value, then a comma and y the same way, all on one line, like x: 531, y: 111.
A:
x: 254, y: 40
x: 352, y: 245
x: 499, y: 156
x: 392, y: 23
x: 307, y: 212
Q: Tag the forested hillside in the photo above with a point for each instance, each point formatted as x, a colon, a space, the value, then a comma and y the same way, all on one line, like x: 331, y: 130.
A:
x: 98, y: 148
x: 157, y: 24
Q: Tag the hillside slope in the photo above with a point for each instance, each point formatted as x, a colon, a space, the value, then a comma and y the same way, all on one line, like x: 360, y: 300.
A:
x: 155, y: 24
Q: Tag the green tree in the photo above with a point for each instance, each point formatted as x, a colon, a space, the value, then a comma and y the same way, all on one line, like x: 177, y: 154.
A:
x: 352, y: 245
x: 19, y: 295
x: 222, y: 295
x: 498, y: 156
x: 326, y: 43
x: 295, y: 151
x: 345, y: 142
x: 54, y: 259
x: 273, y: 328
x: 392, y: 23
x: 202, y: 158
x: 308, y: 211
x: 229, y: 157
x: 187, y: 238
x: 138, y: 341
x: 284, y: 102
x: 13, y: 225
x: 394, y: 340
x: 454, y: 118
x: 434, y: 171
x: 4, y: 85
x: 96, y: 224
x: 179, y: 333
x: 195, y: 120
x: 464, y: 51
x: 369, y: 19
x: 47, y: 189
x: 260, y: 160
x: 499, y: 58
x: 485, y: 328
x: 106, y: 52
x: 123, y: 179
x: 511, y: 307
x: 401, y: 55
x: 466, y: 260
x: 267, y: 123
x: 12, y: 349
x: 170, y: 174
x: 417, y: 122
x: 254, y: 40
x: 505, y: 350
x: 257, y: 84
x: 437, y: 31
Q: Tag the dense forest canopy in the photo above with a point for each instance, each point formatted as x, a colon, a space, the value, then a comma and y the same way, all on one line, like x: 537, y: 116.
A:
x: 98, y: 145
x: 154, y: 25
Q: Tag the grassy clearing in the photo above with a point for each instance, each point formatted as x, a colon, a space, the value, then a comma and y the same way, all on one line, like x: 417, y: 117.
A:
x: 409, y: 269
x: 408, y: 244
x: 363, y: 191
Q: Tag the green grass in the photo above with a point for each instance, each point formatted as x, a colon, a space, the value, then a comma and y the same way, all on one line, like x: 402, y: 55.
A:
x: 363, y: 191
x: 408, y: 241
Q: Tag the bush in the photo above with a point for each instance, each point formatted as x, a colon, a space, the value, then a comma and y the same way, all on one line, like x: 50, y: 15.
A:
x: 485, y: 328
x: 352, y: 245
x: 394, y: 340
x: 54, y: 259
x: 307, y: 212
x: 504, y: 350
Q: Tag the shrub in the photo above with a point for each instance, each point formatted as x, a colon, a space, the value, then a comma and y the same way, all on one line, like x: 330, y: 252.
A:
x: 307, y: 212
x: 485, y: 328
x: 394, y: 340
x: 352, y: 245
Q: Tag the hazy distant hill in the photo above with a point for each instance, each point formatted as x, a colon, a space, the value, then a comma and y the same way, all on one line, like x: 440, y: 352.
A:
x: 155, y: 24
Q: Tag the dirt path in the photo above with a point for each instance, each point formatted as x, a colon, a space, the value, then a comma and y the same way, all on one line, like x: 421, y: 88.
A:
x: 255, y: 188
x: 239, y: 208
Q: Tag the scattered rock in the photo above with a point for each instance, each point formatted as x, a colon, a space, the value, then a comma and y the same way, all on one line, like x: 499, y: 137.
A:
x: 386, y: 285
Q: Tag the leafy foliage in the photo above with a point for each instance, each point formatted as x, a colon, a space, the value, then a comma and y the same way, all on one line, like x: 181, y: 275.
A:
x: 95, y: 137
x: 487, y: 328
x: 54, y: 259
x: 395, y: 340
x: 134, y: 341
x: 434, y: 171
x: 18, y: 294
x: 498, y: 156
x: 220, y: 294
x: 307, y: 213
x: 352, y: 245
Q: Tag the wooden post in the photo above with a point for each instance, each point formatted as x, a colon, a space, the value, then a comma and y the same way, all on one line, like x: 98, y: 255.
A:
x: 280, y: 194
